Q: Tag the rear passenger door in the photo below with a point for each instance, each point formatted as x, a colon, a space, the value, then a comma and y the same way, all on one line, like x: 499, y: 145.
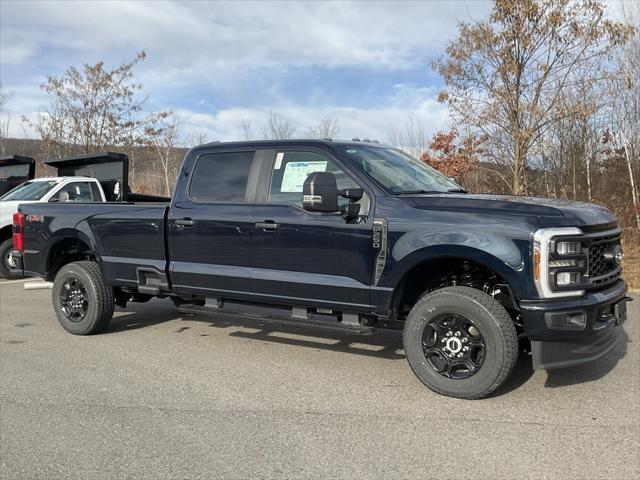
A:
x: 210, y: 224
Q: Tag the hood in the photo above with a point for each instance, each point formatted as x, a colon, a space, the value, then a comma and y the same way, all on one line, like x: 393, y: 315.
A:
x: 561, y: 212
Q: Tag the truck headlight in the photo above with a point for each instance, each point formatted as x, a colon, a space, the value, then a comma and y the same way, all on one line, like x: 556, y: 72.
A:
x: 559, y: 262
x: 568, y: 248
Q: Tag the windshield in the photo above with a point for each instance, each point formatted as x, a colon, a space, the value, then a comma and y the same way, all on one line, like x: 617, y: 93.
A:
x: 33, y: 190
x: 398, y: 172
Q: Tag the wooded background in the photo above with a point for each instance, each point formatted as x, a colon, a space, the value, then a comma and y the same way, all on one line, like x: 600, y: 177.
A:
x: 544, y: 97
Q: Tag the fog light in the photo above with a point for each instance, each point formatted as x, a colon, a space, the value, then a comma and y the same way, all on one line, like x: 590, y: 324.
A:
x: 566, y: 320
x: 566, y: 278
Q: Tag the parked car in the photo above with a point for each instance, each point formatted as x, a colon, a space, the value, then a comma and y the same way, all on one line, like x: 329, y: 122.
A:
x: 352, y: 236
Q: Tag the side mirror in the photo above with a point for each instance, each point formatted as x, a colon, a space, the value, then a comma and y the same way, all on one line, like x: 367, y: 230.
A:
x: 320, y: 192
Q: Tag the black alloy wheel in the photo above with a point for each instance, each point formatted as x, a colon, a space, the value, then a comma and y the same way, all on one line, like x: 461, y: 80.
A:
x: 74, y: 301
x: 453, y: 346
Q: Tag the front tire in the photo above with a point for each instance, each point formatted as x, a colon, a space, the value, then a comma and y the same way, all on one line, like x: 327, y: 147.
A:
x: 460, y: 342
x: 7, y: 270
x: 82, y: 300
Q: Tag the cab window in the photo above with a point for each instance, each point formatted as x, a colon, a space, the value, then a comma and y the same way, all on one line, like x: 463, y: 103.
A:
x: 75, y: 192
x: 221, y: 177
x: 290, y: 170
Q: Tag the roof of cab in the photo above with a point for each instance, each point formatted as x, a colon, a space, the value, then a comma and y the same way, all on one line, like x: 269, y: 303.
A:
x: 294, y: 142
x: 60, y: 179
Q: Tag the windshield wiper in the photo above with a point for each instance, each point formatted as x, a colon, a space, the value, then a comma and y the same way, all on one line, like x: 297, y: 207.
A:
x: 415, y: 192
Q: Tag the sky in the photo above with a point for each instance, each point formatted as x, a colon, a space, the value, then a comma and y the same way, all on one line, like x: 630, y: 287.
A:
x: 219, y: 64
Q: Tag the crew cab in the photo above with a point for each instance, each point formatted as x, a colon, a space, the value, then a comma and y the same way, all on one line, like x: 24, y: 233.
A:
x: 346, y: 235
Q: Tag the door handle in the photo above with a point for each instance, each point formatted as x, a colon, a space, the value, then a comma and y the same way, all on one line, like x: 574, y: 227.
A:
x: 268, y: 225
x: 185, y: 222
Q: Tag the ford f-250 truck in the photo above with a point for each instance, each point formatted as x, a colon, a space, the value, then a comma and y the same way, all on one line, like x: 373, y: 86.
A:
x: 349, y: 235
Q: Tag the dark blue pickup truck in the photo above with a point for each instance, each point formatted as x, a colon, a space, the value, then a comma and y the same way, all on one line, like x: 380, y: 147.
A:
x: 346, y: 235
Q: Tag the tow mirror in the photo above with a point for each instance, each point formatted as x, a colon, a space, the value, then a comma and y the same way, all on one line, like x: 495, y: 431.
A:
x: 320, y: 192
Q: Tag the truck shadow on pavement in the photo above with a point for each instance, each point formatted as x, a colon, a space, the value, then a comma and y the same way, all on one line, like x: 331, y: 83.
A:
x: 382, y: 344
x: 592, y: 371
x: 385, y: 344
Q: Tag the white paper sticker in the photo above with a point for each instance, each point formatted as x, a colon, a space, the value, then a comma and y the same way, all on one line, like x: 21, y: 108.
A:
x: 295, y: 173
x: 279, y: 160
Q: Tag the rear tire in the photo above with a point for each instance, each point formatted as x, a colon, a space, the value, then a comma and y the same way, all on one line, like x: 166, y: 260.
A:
x: 6, y: 271
x: 82, y: 300
x: 460, y: 342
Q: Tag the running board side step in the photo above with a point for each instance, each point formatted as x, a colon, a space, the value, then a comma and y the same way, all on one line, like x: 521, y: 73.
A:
x: 343, y: 322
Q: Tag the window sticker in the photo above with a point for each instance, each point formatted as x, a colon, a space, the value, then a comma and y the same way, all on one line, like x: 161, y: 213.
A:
x: 279, y: 160
x: 295, y: 173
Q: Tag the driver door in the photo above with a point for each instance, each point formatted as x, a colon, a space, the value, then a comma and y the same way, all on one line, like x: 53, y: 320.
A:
x: 309, y: 258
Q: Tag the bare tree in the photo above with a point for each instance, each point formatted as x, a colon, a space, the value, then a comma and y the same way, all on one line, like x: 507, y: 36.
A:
x: 505, y: 77
x: 412, y: 138
x: 246, y: 130
x: 625, y: 111
x: 162, y: 134
x: 327, y: 128
x: 91, y: 108
x: 277, y: 128
x: 5, y: 120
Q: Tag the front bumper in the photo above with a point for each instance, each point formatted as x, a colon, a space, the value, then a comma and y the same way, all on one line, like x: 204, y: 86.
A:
x: 554, y: 346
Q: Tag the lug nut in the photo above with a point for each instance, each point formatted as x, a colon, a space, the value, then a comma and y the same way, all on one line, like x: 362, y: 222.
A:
x: 449, y: 333
x: 457, y: 334
x: 465, y: 340
x: 459, y: 355
x: 465, y: 349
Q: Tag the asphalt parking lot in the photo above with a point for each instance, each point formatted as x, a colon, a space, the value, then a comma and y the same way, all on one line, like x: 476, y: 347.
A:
x: 160, y: 396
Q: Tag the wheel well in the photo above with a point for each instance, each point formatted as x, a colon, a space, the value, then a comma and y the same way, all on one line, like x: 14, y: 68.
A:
x: 5, y: 233
x: 67, y: 251
x: 444, y: 272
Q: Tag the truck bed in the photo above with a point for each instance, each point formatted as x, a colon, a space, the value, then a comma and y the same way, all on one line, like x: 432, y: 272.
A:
x: 125, y: 237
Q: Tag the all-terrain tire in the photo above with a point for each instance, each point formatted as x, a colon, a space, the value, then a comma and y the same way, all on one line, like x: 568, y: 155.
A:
x: 489, y: 317
x: 97, y: 298
x: 5, y: 270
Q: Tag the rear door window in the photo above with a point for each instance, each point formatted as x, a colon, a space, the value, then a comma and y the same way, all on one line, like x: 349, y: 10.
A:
x: 221, y: 177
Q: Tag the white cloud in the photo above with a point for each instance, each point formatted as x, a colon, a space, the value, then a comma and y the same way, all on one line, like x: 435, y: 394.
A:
x: 208, y: 36
x: 374, y: 122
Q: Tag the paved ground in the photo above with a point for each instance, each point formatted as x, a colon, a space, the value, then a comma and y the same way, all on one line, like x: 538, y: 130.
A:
x: 163, y: 397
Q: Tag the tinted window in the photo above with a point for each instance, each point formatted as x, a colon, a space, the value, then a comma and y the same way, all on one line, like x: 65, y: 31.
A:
x: 221, y: 177
x: 292, y: 168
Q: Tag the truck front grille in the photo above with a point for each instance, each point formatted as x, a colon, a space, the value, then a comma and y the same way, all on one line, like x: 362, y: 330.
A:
x: 603, y: 269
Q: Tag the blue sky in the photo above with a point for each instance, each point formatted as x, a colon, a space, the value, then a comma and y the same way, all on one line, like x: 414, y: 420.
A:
x: 219, y: 64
